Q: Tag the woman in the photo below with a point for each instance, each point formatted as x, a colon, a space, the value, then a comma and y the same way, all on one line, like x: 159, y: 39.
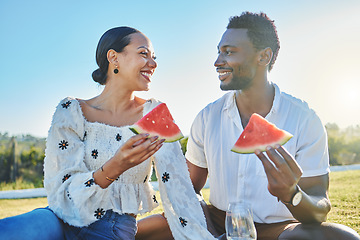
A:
x: 97, y: 171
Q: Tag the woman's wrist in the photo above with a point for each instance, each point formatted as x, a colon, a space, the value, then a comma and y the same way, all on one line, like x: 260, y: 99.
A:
x: 107, y: 174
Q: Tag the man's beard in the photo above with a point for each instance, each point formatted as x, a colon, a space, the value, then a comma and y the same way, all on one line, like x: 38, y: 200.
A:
x: 237, y: 83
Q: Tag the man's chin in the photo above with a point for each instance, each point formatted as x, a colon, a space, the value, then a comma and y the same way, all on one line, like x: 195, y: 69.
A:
x: 227, y: 87
x: 236, y: 85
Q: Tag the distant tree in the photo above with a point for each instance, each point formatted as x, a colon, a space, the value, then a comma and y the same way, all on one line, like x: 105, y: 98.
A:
x: 32, y: 157
x: 5, y: 162
x: 344, y: 144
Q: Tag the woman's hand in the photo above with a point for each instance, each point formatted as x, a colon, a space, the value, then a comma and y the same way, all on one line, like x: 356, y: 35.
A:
x: 134, y: 151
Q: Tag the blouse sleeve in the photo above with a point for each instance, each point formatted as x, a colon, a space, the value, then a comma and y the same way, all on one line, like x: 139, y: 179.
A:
x: 181, y: 206
x: 68, y: 181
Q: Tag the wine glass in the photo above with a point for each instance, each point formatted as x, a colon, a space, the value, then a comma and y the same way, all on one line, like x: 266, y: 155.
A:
x: 239, y: 222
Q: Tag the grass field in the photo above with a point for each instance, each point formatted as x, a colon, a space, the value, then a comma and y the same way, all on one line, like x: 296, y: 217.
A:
x: 344, y: 196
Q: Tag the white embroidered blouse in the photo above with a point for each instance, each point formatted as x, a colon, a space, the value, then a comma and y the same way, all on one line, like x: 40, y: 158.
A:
x: 76, y: 148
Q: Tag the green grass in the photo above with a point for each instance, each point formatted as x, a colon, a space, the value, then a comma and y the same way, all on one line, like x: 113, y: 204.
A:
x: 344, y: 196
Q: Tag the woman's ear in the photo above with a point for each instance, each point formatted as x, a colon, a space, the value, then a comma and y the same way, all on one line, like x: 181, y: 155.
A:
x: 112, y: 57
x: 265, y: 56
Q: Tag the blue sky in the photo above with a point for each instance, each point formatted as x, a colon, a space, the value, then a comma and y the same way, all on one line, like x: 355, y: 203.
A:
x: 48, y: 52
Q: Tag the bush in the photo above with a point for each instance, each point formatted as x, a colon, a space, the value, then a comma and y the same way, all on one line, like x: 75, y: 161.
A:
x: 344, y: 145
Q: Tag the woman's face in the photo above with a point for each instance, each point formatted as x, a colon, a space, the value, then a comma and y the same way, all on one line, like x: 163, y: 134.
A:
x: 137, y: 62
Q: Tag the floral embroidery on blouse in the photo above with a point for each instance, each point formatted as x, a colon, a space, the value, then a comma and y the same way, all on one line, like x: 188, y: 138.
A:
x: 68, y: 194
x: 85, y: 133
x: 154, y: 198
x: 165, y: 177
x: 118, y: 137
x: 99, y: 213
x: 66, y: 105
x: 145, y: 178
x: 89, y: 182
x: 183, y: 222
x: 66, y: 177
x: 63, y: 144
x: 95, y: 153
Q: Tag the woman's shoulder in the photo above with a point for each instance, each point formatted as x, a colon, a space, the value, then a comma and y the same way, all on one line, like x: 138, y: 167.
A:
x: 68, y: 112
x: 68, y: 105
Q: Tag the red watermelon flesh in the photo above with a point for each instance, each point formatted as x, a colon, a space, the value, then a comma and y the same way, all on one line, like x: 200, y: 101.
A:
x: 258, y: 134
x: 158, y: 122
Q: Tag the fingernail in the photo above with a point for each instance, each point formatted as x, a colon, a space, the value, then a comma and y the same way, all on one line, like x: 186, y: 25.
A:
x: 257, y: 151
x: 162, y: 140
x: 268, y: 148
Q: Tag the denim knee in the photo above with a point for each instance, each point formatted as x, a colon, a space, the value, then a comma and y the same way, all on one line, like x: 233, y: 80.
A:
x: 40, y: 223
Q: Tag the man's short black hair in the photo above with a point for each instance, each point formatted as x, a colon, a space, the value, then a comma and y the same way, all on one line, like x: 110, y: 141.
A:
x: 261, y: 31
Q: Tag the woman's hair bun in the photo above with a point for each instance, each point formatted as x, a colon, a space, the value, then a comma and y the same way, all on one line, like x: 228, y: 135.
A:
x: 99, y: 76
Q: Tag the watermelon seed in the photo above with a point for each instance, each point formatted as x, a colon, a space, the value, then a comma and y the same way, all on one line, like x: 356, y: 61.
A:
x: 153, y: 121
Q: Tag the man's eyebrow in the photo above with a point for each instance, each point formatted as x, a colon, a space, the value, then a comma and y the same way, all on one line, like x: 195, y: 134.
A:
x: 226, y: 46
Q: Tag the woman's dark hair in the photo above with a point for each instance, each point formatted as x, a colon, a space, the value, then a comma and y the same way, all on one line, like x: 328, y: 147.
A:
x: 261, y: 31
x: 117, y: 39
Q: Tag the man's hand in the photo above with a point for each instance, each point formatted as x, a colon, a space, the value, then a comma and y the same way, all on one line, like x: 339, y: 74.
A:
x: 282, y: 171
x: 283, y: 174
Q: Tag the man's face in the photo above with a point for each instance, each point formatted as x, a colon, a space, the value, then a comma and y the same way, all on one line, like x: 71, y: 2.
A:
x: 236, y: 62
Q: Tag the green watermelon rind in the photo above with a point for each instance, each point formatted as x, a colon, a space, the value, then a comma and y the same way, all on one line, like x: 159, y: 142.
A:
x: 137, y: 130
x: 287, y: 136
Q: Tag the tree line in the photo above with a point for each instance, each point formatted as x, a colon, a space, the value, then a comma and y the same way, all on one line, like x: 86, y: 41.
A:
x: 23, y: 156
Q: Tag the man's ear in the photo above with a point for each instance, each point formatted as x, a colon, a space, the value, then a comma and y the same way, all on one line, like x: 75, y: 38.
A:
x: 265, y: 56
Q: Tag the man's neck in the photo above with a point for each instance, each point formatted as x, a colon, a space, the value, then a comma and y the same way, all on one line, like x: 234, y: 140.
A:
x: 256, y: 99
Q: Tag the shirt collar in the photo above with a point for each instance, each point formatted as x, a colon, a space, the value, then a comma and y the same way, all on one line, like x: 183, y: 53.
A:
x: 230, y: 100
x: 276, y: 103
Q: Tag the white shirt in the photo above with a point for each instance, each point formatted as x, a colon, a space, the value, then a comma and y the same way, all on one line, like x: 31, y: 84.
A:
x: 234, y: 176
x: 76, y: 148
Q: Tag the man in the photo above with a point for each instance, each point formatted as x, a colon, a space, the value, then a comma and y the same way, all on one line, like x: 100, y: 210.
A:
x: 286, y: 187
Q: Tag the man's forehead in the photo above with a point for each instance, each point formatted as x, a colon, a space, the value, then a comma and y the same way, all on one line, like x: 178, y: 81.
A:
x: 233, y: 37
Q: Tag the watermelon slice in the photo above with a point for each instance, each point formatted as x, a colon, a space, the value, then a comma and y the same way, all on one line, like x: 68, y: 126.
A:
x: 158, y: 122
x: 258, y: 134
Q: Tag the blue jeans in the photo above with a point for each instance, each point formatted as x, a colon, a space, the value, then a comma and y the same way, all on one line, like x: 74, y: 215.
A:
x: 111, y: 226
x: 42, y: 223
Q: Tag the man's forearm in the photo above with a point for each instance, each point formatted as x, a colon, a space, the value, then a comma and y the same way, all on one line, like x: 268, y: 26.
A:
x: 311, y: 209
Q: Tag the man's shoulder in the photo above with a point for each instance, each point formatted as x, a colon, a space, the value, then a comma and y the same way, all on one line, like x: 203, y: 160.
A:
x: 297, y: 110
x: 294, y: 103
